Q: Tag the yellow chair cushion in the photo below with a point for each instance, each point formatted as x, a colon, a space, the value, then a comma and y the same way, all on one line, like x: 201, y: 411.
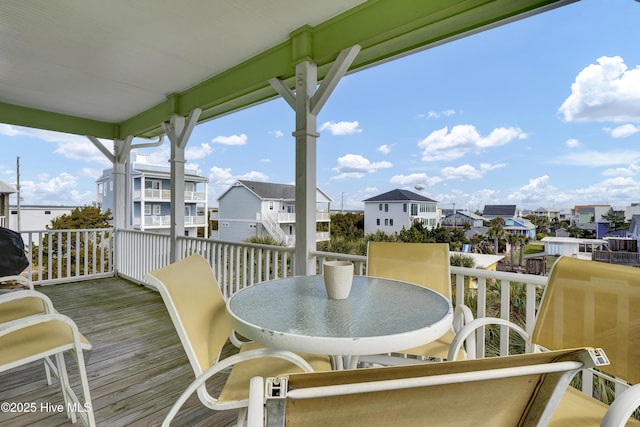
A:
x: 576, y: 409
x: 20, y: 308
x: 40, y: 339
x: 237, y: 385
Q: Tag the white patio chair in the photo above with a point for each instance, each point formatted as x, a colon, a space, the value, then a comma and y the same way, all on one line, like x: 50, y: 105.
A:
x: 41, y: 336
x: 198, y: 311
x: 520, y: 390
x: 586, y: 303
x: 425, y: 264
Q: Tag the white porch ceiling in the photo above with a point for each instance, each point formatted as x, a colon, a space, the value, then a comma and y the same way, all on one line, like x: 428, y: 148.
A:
x: 108, y: 68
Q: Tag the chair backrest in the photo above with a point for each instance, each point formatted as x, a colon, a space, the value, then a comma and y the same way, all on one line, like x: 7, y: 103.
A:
x: 425, y: 264
x: 197, y: 308
x: 589, y: 303
x: 520, y: 389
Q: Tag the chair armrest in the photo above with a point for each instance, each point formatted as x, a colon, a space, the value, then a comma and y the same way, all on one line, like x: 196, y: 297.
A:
x: 471, y: 327
x: 20, y: 279
x: 18, y: 295
x: 255, y: 416
x: 228, y: 362
x: 622, y: 407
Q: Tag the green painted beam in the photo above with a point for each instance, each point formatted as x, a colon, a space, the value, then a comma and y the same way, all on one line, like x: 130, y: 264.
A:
x: 40, y: 119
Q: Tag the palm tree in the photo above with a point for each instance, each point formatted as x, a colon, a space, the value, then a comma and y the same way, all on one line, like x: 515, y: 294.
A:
x: 513, y: 240
x: 522, y: 242
x: 496, y: 232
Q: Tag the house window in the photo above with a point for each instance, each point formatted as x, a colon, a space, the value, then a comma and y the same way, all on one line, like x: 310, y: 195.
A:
x: 414, y: 209
x: 147, y: 210
x: 270, y: 206
x: 404, y: 207
x: 47, y: 212
x: 153, y: 184
x: 156, y: 210
x: 100, y: 188
x: 386, y: 207
x: 111, y: 186
x: 391, y: 222
x: 380, y: 207
x: 386, y: 221
x: 187, y: 211
x: 378, y: 221
x: 190, y: 186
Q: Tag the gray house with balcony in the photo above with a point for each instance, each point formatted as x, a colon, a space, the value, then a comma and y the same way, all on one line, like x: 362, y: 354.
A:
x: 149, y: 201
x: 396, y: 209
x: 254, y: 208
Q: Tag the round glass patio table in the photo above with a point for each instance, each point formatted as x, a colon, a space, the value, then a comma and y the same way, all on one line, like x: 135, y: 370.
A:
x: 379, y: 316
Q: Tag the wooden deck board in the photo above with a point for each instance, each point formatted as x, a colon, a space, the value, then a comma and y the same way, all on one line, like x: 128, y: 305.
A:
x: 136, y: 370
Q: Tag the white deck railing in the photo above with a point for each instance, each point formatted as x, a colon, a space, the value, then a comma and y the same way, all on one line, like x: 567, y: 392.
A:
x: 61, y: 256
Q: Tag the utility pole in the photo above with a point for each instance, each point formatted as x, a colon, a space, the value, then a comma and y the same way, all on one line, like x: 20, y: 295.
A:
x: 18, y: 188
x: 454, y: 216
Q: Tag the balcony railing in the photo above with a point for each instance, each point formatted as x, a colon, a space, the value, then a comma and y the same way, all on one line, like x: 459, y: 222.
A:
x: 72, y: 255
x: 165, y: 195
x: 163, y: 221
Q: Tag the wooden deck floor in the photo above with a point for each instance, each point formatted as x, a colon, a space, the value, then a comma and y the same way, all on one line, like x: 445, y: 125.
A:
x: 137, y: 367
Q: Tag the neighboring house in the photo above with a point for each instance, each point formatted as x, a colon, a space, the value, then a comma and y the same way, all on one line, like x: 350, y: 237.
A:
x: 150, y: 197
x: 37, y: 218
x: 573, y: 247
x: 460, y: 218
x: 252, y: 208
x: 5, y: 191
x: 631, y: 211
x: 634, y: 229
x: 520, y: 226
x: 567, y: 215
x: 499, y: 211
x: 589, y: 217
x: 391, y: 211
x: 548, y: 213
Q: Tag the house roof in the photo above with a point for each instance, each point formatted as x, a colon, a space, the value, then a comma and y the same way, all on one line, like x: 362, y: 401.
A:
x: 269, y: 190
x: 116, y: 68
x: 470, y: 215
x: 6, y: 188
x: 399, y: 195
x: 499, y: 210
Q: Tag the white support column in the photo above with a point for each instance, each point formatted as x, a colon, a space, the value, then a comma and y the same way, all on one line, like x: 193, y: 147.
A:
x: 178, y: 130
x: 307, y: 102
x: 119, y: 158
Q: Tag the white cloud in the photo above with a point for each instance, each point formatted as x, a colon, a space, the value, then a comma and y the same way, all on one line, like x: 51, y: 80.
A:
x: 573, y: 143
x: 231, y: 140
x: 341, y: 128
x: 444, y: 145
x: 58, y: 190
x: 356, y: 166
x: 488, y: 167
x: 221, y: 179
x: 607, y: 91
x: 538, y: 191
x: 277, y: 133
x: 384, y: 148
x: 599, y: 158
x: 414, y: 179
x: 623, y: 131
x: 197, y: 152
x: 265, y: 160
x: 461, y: 172
x: 448, y: 113
x: 619, y: 172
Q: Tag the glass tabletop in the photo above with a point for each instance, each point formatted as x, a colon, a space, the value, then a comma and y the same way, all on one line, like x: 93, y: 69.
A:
x: 376, y: 307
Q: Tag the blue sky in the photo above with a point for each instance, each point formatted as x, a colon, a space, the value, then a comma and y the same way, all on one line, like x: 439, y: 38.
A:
x: 543, y: 112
